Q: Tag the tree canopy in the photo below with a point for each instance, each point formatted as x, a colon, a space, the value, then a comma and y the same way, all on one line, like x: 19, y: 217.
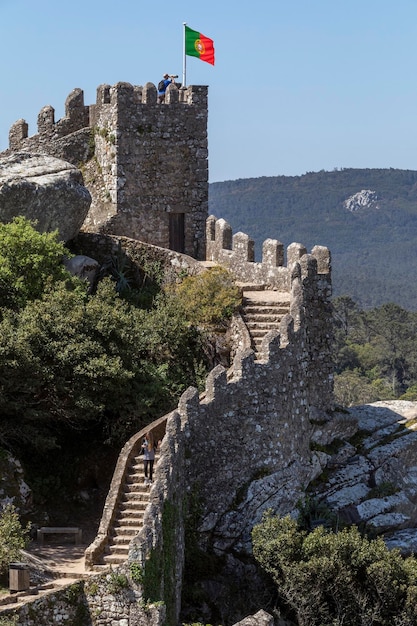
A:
x: 72, y: 360
x: 375, y: 352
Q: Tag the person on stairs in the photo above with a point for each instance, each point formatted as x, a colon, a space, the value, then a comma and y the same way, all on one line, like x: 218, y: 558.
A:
x: 148, y: 447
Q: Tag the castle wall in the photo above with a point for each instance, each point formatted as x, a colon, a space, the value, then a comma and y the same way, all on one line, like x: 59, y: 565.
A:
x: 248, y: 437
x: 144, y: 163
x: 243, y: 446
x: 67, y: 138
x: 103, y: 247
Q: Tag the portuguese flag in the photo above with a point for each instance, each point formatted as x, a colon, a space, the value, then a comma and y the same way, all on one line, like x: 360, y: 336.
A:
x: 197, y: 45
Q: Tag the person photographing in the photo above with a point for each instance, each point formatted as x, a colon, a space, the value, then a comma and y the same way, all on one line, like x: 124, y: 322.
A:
x: 167, y: 79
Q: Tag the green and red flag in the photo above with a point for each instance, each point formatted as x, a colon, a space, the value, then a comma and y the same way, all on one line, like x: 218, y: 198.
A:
x: 198, y: 45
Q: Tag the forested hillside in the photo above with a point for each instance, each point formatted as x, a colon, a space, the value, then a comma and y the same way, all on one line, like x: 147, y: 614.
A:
x: 373, y: 246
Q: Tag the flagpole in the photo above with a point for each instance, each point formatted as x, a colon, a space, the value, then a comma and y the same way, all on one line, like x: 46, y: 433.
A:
x: 183, y: 61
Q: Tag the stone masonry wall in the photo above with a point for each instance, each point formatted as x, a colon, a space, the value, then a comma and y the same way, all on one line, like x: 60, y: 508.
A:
x: 102, y: 247
x: 248, y: 437
x: 237, y: 253
x: 145, y: 164
x: 306, y: 276
x: 110, y: 599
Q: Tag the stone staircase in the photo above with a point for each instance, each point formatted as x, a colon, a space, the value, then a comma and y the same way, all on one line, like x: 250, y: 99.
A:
x: 262, y: 311
x: 129, y: 517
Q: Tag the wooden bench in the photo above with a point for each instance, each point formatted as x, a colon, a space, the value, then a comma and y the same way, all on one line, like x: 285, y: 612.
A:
x: 65, y: 530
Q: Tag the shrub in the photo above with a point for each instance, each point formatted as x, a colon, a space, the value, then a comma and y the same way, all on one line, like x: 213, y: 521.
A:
x: 333, y: 579
x: 13, y: 537
x: 116, y: 582
x: 210, y: 298
x: 29, y: 261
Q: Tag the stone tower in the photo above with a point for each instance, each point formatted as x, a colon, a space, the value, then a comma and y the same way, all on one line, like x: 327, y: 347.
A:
x: 144, y: 163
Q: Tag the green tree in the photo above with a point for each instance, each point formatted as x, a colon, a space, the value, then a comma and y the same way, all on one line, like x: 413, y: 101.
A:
x: 336, y: 579
x: 345, y: 314
x: 375, y: 352
x: 74, y: 360
x: 13, y: 537
x: 29, y: 261
x: 393, y: 331
x: 352, y: 388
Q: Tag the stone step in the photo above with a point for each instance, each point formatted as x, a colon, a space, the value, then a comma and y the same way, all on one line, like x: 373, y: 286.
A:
x: 127, y: 530
x: 136, y: 474
x: 137, y: 487
x: 259, y: 333
x: 261, y: 316
x: 137, y: 461
x: 258, y: 325
x: 121, y: 540
x: 136, y: 496
x: 260, y: 307
x: 141, y: 492
x: 135, y: 479
x: 129, y: 518
x: 114, y: 559
x: 263, y: 300
x: 264, y: 314
x: 97, y: 567
x: 253, y: 321
x: 133, y: 505
x: 118, y: 548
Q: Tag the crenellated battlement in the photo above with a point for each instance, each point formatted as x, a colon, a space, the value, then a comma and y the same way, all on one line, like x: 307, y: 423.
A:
x: 237, y: 253
x: 79, y: 116
x: 76, y: 117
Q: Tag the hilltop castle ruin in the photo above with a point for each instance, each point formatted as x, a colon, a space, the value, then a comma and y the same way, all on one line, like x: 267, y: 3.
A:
x: 243, y: 445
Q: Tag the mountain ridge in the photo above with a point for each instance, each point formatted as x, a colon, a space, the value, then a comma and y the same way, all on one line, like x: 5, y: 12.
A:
x: 374, y: 257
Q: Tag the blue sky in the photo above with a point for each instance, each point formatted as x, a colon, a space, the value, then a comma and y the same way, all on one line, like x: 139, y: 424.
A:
x: 298, y: 85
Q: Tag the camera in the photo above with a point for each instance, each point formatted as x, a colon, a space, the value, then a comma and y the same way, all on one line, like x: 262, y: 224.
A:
x: 173, y: 76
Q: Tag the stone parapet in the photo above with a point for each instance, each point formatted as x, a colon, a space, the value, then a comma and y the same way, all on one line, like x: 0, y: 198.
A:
x: 237, y: 253
x: 104, y: 247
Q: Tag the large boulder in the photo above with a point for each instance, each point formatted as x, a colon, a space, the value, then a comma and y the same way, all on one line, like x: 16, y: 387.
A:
x: 84, y: 267
x: 43, y: 189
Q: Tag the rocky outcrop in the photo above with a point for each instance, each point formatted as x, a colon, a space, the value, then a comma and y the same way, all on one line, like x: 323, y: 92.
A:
x: 43, y: 189
x: 261, y: 618
x: 13, y: 488
x: 371, y: 477
x: 364, y: 199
